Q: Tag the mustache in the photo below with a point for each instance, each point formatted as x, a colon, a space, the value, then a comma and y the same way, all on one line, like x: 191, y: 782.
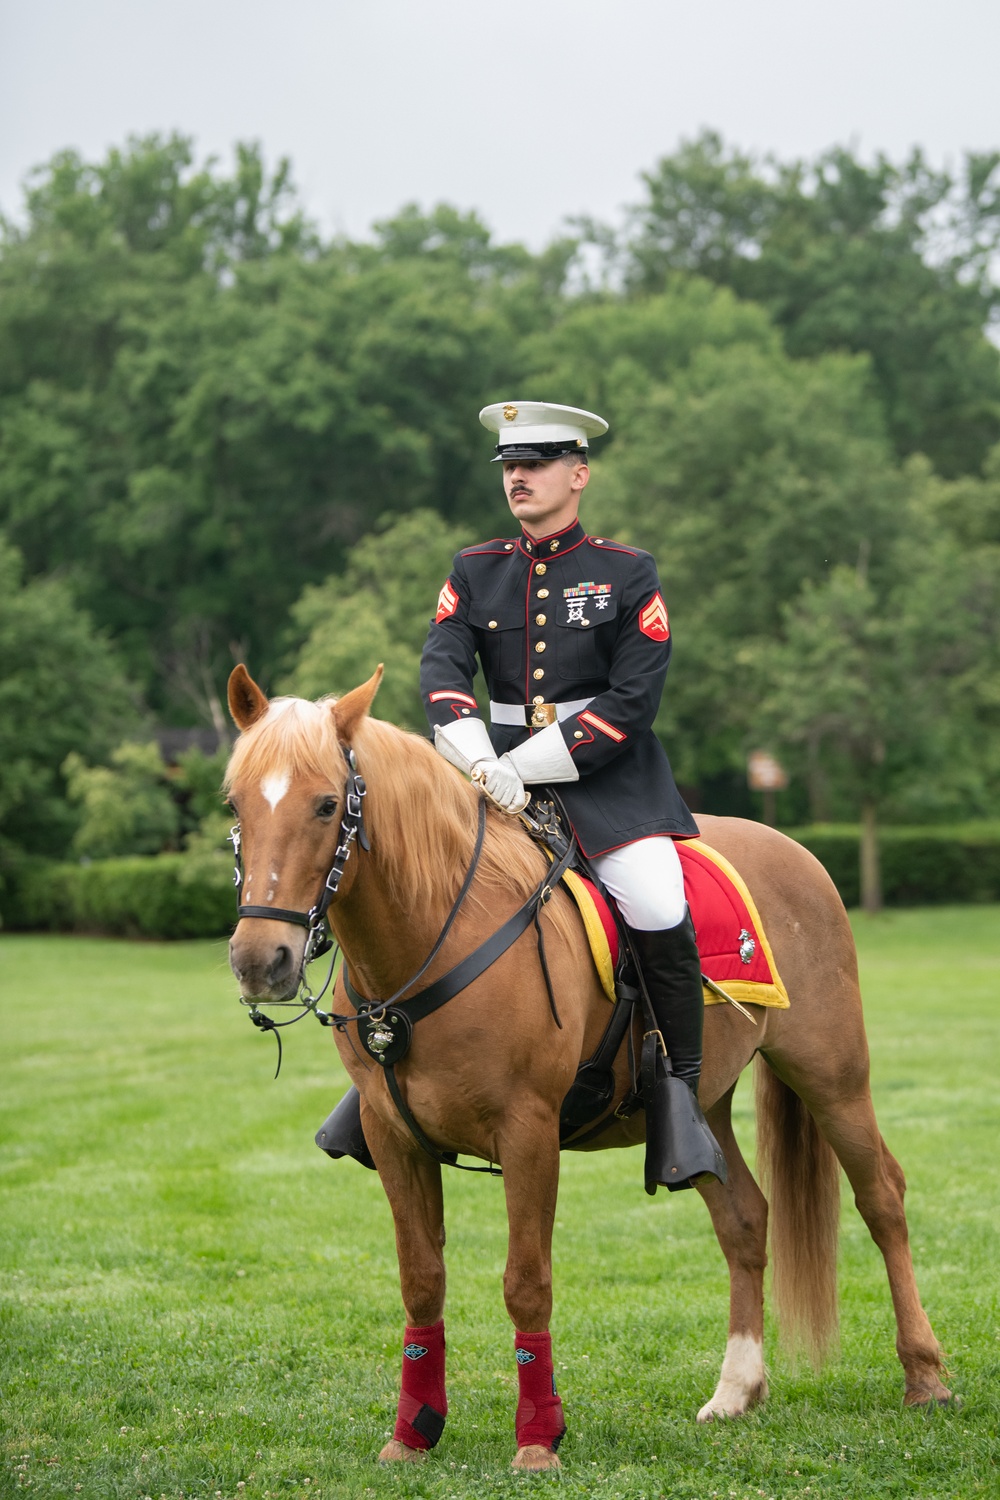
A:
x: 519, y: 489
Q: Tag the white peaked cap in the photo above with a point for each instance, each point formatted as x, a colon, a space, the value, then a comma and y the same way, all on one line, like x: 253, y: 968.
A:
x: 539, y: 429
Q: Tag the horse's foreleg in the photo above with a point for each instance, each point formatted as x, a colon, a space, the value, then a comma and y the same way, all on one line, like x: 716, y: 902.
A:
x: 412, y: 1183
x: 529, y: 1156
x: 739, y: 1217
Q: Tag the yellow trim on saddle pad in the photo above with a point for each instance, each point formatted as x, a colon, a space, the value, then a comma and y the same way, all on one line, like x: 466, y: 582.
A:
x: 594, y: 927
x: 745, y: 991
x: 774, y: 995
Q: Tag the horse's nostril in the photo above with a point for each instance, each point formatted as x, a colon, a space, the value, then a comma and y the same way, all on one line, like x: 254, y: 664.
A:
x: 282, y: 962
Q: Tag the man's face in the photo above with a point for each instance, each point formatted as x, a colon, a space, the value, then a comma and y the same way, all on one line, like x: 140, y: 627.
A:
x: 544, y: 490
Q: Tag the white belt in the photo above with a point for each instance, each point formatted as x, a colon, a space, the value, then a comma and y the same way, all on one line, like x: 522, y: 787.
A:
x: 520, y: 713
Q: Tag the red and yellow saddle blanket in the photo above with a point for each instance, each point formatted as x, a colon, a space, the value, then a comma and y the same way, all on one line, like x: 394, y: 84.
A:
x: 733, y: 945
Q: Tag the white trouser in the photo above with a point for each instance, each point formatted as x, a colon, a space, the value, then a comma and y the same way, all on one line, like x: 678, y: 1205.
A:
x: 646, y: 880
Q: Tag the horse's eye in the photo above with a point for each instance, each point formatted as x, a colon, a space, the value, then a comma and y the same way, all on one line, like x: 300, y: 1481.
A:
x: 326, y: 808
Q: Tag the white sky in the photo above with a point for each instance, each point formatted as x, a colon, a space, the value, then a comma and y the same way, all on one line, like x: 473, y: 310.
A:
x: 528, y: 112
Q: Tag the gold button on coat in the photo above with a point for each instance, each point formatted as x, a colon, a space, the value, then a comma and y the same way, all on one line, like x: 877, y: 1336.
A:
x: 542, y: 594
x: 578, y: 734
x: 538, y: 673
x: 539, y: 699
x: 540, y: 619
x: 493, y: 624
x: 539, y: 645
x: 540, y: 568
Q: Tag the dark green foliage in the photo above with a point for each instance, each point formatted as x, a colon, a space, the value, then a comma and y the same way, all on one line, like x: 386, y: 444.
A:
x: 920, y: 866
x: 171, y: 896
x: 201, y: 407
x: 61, y: 689
x: 377, y: 610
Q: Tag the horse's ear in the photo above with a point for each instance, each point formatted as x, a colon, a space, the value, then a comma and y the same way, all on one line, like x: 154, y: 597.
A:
x: 247, y: 703
x: 352, y: 707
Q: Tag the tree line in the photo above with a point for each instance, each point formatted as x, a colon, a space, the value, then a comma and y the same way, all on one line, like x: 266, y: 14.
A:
x: 225, y: 437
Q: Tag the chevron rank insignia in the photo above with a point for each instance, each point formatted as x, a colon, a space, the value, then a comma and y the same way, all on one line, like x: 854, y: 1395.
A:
x: 653, y: 619
x: 447, y: 603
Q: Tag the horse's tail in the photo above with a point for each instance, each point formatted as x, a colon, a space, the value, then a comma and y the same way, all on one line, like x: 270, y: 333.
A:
x: 800, y: 1177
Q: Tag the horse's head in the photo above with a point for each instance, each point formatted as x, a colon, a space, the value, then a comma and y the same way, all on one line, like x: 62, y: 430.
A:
x: 286, y: 783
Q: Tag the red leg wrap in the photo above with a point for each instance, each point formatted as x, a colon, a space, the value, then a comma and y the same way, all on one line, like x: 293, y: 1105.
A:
x: 539, y: 1411
x: 423, y: 1404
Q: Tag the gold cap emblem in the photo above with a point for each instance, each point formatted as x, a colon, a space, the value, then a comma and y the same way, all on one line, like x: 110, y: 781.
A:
x: 509, y: 413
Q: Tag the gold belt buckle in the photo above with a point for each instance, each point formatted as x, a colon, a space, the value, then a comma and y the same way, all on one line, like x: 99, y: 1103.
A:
x: 542, y: 714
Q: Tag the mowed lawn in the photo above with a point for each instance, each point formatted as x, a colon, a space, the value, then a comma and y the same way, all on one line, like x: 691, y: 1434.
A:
x: 196, y: 1301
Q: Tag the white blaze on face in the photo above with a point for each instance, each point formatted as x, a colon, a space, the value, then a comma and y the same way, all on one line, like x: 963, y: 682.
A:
x: 274, y: 788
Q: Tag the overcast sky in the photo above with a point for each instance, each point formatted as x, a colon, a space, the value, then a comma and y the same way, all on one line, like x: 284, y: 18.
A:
x: 525, y: 112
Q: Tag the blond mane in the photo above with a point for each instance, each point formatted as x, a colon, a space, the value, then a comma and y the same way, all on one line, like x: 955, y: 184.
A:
x: 420, y: 813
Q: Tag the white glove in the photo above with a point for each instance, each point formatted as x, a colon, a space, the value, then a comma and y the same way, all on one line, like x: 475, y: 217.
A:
x: 464, y: 743
x: 543, y: 759
x: 502, y: 784
x: 467, y: 745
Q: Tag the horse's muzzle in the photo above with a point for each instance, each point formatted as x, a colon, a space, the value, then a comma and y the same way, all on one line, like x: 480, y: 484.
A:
x: 266, y: 969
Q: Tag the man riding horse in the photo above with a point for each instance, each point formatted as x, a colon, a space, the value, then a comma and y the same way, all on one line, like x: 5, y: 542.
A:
x: 572, y: 634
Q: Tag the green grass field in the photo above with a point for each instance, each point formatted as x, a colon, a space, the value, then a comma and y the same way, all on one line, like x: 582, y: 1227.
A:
x: 195, y: 1301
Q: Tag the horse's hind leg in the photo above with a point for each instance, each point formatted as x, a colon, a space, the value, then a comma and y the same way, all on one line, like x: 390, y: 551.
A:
x: 879, y: 1185
x: 529, y: 1155
x: 412, y: 1183
x: 842, y: 1108
x: 739, y: 1217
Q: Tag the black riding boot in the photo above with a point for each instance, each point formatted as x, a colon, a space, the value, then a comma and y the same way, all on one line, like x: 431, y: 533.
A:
x: 341, y: 1133
x: 679, y: 1145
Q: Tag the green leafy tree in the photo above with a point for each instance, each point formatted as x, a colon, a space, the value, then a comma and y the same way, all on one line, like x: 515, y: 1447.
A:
x: 202, y: 408
x: 889, y: 260
x: 126, y: 807
x: 890, y: 696
x: 378, y: 609
x: 61, y: 689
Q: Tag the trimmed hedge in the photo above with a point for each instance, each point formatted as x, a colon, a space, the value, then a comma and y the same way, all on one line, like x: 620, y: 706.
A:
x: 920, y: 866
x: 161, y: 896
x: 185, y: 896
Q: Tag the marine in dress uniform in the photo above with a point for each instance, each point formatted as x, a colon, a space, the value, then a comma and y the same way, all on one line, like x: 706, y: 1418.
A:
x: 573, y: 636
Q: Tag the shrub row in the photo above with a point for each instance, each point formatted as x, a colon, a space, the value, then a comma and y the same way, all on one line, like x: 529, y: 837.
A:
x: 180, y: 896
x: 920, y: 866
x: 161, y: 896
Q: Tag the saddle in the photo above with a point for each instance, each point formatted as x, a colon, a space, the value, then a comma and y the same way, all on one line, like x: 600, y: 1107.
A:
x: 586, y: 1111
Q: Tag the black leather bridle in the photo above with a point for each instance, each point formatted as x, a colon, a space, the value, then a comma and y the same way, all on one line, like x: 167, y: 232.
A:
x: 352, y: 826
x: 318, y: 939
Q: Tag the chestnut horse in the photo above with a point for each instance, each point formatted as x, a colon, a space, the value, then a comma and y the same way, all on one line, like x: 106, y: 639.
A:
x: 486, y: 1074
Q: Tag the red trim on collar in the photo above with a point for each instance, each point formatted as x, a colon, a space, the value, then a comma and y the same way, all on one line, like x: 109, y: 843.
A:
x: 550, y: 536
x: 540, y: 552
